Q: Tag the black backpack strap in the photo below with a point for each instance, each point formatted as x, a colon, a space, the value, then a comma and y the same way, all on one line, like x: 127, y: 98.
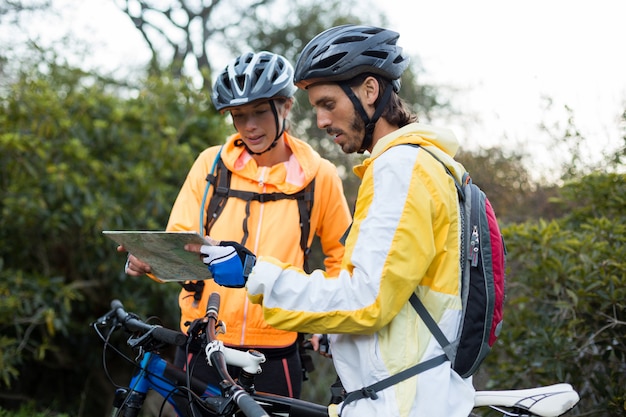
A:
x: 221, y: 188
x: 222, y: 191
x: 305, y: 207
x: 458, y: 186
x: 196, y: 287
x: 432, y: 325
x: 370, y: 391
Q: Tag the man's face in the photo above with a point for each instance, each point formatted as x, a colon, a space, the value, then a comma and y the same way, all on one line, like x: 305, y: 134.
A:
x: 336, y: 114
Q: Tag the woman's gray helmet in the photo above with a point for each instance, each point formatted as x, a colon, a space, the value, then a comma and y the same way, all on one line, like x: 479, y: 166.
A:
x: 343, y: 52
x: 251, y: 77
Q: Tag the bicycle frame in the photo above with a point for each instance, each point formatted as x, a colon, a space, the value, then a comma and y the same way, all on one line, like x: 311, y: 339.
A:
x: 191, y: 397
x: 159, y: 375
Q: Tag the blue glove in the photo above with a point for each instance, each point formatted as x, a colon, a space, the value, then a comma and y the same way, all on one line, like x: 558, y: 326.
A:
x: 230, y: 263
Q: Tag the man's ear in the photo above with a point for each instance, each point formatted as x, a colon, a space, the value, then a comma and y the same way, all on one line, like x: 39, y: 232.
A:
x: 370, y: 89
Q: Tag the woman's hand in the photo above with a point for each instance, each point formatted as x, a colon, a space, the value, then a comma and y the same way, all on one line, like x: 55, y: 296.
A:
x: 134, y: 266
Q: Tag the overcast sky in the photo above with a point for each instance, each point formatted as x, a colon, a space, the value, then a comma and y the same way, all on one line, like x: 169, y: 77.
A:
x: 504, y: 57
x: 507, y: 55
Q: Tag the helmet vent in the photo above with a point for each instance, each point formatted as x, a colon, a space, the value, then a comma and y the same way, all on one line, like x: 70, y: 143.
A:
x: 241, y: 81
x: 376, y: 54
x: 330, y: 61
x: 226, y: 82
x: 349, y: 39
x: 372, y: 30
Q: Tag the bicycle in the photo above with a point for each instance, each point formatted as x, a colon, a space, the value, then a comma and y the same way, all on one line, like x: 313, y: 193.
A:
x: 191, y: 397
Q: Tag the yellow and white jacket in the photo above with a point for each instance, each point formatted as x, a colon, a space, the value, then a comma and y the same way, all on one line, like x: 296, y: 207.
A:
x: 273, y: 228
x: 404, y: 239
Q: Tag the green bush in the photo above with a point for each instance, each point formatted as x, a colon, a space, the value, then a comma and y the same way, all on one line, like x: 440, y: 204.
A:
x: 565, y: 314
x: 29, y: 410
x: 78, y: 155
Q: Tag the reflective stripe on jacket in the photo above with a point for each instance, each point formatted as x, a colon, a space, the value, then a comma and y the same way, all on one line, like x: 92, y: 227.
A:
x: 273, y: 228
x: 404, y: 239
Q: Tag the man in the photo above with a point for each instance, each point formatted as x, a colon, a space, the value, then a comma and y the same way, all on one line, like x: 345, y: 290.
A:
x: 404, y: 237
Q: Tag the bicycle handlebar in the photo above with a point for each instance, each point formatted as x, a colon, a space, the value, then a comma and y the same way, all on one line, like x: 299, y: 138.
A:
x: 152, y: 332
x: 243, y: 400
x: 160, y: 333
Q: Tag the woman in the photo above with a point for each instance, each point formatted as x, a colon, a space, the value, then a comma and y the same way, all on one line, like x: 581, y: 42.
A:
x: 269, y: 170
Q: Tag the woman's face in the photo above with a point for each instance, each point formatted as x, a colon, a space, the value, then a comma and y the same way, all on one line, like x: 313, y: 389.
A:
x: 256, y: 124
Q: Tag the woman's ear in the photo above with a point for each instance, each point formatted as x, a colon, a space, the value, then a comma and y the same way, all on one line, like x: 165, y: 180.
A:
x: 287, y: 106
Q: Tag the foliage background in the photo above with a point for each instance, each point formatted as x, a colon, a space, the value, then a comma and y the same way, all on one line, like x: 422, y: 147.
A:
x: 81, y: 152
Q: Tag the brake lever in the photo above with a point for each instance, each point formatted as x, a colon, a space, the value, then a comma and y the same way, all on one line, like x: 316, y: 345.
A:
x: 221, y: 405
x: 145, y: 341
x: 103, y: 320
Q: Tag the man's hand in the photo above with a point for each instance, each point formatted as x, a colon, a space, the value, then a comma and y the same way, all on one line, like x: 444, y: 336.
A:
x: 229, y: 262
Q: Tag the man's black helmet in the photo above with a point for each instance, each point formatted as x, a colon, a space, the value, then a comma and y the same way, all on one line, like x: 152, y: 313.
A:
x: 343, y: 52
x: 253, y: 76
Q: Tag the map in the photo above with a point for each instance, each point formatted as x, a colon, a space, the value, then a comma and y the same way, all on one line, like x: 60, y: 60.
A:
x: 165, y: 253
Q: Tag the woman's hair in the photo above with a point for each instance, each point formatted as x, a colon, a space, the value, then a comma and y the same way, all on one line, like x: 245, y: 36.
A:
x: 280, y: 101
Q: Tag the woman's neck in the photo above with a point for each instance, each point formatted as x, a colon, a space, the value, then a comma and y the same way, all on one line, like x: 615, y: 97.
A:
x: 280, y: 153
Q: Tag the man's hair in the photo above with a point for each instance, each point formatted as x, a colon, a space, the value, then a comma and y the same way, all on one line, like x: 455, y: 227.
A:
x: 397, y: 112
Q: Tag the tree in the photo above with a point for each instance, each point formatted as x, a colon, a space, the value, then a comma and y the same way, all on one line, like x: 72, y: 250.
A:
x: 508, y: 184
x: 10, y: 13
x: 565, y: 315
x: 186, y: 31
x: 78, y: 155
x: 13, y: 8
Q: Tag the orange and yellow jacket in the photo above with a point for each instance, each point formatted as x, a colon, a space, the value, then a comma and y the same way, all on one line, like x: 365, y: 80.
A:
x: 273, y: 228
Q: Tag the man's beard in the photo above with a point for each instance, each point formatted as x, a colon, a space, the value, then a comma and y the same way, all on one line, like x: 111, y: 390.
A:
x: 355, y: 138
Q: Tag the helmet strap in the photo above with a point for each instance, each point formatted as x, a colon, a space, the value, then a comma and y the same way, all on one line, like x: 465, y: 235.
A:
x: 370, y: 124
x: 240, y: 142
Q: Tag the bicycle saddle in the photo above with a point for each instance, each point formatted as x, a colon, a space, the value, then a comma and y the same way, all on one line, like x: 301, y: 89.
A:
x: 548, y: 401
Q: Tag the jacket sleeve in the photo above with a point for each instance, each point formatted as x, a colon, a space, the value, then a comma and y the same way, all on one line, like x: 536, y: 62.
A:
x: 334, y: 216
x: 389, y: 252
x: 185, y: 213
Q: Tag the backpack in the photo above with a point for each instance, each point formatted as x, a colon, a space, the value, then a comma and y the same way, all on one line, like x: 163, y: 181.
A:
x: 483, y: 256
x: 222, y: 191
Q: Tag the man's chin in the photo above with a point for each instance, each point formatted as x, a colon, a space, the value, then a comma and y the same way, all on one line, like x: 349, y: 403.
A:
x: 347, y: 148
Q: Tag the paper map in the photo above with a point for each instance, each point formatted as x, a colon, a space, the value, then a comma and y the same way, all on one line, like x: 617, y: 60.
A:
x: 164, y: 252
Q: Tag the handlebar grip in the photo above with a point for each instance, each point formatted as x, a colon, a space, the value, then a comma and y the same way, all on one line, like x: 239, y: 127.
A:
x: 162, y: 334
x: 248, y: 406
x: 171, y: 337
x: 213, y: 306
x: 116, y: 304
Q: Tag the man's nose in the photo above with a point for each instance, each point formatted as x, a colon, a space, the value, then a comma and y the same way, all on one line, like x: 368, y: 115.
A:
x: 323, y: 121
